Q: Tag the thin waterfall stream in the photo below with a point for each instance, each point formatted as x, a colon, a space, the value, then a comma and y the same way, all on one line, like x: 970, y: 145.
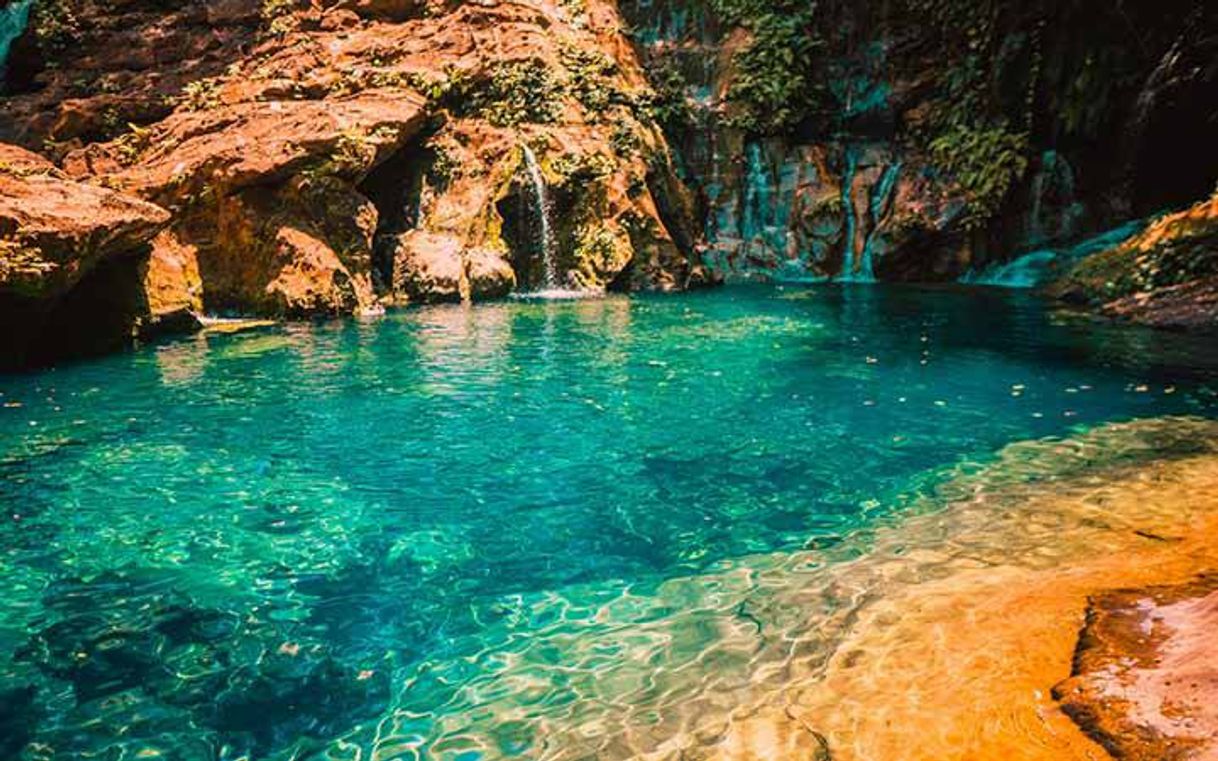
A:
x: 14, y: 18
x: 545, y: 234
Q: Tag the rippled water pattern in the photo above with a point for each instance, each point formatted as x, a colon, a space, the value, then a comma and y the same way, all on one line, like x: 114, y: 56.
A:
x: 512, y: 531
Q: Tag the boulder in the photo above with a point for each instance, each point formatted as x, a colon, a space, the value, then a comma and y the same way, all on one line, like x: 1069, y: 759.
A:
x: 1144, y: 684
x: 59, y: 242
x: 1164, y: 276
x: 54, y: 230
x: 311, y: 278
x: 172, y: 287
x: 490, y: 276
x: 428, y: 267
x: 230, y: 148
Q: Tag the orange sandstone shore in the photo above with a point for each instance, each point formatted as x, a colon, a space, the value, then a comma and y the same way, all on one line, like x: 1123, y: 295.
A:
x: 960, y: 656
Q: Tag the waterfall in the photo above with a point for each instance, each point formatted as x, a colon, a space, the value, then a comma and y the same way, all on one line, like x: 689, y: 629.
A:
x: 545, y: 235
x: 1028, y: 271
x: 881, y: 198
x: 1039, y: 267
x: 14, y: 18
x: 847, y: 273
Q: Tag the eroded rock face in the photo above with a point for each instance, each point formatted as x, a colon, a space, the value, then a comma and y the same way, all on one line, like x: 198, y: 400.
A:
x: 1145, y: 684
x: 59, y: 239
x: 331, y: 160
x: 866, y: 179
x: 55, y: 230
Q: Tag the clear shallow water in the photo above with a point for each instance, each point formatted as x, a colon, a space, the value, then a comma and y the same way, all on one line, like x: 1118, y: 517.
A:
x: 453, y: 533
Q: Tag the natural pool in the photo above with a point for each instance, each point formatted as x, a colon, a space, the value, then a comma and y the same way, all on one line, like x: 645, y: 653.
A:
x: 527, y: 529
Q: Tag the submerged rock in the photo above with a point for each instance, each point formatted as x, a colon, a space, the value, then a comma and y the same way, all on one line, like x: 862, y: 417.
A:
x: 1144, y: 682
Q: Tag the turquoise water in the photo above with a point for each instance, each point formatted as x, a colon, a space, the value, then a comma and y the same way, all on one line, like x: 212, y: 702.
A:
x: 450, y: 532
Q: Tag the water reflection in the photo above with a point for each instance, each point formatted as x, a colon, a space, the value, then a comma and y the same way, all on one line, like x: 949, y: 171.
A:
x: 469, y: 529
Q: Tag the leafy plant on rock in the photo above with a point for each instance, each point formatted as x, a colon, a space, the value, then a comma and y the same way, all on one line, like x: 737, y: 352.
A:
x: 668, y: 104
x: 519, y: 92
x: 776, y: 85
x: 278, y: 17
x: 55, y: 26
x: 986, y: 161
x: 200, y: 95
x: 590, y: 79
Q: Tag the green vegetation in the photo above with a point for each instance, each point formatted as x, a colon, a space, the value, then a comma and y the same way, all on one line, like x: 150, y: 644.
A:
x: 667, y: 104
x: 130, y: 146
x: 597, y: 249
x: 518, y: 92
x: 55, y: 26
x: 1175, y: 250
x: 776, y: 85
x: 590, y: 79
x: 986, y: 161
x: 200, y: 95
x: 445, y: 165
x: 775, y: 88
x: 625, y: 141
x: 582, y: 167
x: 970, y: 133
x: 277, y: 15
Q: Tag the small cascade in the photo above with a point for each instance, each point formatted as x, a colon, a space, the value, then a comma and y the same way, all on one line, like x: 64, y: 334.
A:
x: 881, y: 201
x: 1028, y: 271
x: 552, y: 285
x: 758, y: 197
x: 847, y: 274
x: 14, y: 18
x: 1039, y: 267
x: 542, y: 213
x: 1053, y: 209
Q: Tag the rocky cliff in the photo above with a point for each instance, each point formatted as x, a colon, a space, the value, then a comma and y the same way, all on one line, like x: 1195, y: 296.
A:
x: 303, y: 159
x: 924, y: 139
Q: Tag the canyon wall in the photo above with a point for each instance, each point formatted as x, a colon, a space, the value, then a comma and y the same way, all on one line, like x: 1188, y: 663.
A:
x: 306, y: 158
x: 312, y: 160
x: 919, y: 140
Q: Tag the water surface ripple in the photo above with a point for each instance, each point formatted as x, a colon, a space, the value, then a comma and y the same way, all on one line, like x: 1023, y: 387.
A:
x: 526, y: 529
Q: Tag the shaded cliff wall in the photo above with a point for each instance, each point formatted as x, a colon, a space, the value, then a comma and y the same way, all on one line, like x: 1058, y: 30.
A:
x: 926, y: 138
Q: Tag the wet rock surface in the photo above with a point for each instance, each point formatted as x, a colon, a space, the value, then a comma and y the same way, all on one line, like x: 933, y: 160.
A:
x: 1145, y: 678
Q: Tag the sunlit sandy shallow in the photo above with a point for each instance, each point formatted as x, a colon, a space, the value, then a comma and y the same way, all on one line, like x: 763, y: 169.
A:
x: 751, y: 524
x: 972, y: 612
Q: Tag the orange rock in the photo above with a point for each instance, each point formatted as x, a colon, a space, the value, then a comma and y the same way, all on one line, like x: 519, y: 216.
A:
x: 428, y: 267
x: 172, y: 286
x: 53, y: 230
x: 269, y: 145
x: 311, y: 278
x: 1145, y: 684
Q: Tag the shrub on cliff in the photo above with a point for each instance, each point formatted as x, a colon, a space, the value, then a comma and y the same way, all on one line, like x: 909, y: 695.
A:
x: 986, y: 160
x: 518, y: 92
x: 775, y: 86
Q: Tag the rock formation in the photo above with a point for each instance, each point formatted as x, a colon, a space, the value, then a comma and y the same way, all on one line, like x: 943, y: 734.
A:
x: 333, y: 160
x: 329, y: 158
x: 70, y: 263
x: 918, y: 140
x: 1165, y: 276
x: 1145, y: 684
